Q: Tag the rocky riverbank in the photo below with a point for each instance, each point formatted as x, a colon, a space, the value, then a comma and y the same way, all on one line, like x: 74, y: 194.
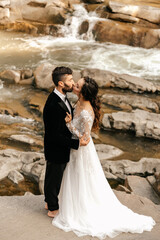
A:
x: 129, y: 104
x: 134, y: 23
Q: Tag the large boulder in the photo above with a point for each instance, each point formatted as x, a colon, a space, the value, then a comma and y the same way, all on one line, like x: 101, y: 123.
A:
x: 43, y: 76
x: 47, y: 11
x: 121, y: 33
x: 141, y: 187
x: 149, y: 13
x: 141, y: 122
x: 123, y: 168
x: 107, y: 151
x: 106, y: 79
x: 11, y: 76
x: 129, y: 102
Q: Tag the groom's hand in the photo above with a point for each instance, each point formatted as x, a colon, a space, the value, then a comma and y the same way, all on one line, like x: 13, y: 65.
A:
x: 84, y: 141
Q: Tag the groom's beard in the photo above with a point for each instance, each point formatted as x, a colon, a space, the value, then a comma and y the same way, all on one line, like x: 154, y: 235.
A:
x: 67, y: 88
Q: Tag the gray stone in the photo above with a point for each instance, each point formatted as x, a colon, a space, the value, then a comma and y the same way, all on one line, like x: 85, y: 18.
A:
x: 26, y: 139
x: 11, y: 76
x: 15, y: 176
x: 107, y: 151
x: 141, y: 122
x: 141, y: 187
x: 8, y: 163
x: 28, y: 210
x: 130, y: 102
x: 43, y: 76
x: 122, y: 168
x: 30, y: 157
x: 106, y: 79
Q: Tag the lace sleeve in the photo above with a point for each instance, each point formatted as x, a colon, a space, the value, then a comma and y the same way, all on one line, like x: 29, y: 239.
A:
x: 73, y: 129
x: 85, y: 124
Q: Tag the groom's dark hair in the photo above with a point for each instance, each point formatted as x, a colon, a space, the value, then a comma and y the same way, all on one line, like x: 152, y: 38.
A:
x: 58, y: 73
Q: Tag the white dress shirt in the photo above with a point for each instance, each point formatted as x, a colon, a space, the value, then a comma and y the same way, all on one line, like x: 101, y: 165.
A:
x: 62, y: 96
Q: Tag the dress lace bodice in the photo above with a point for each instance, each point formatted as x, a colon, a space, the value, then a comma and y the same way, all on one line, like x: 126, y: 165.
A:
x: 81, y: 123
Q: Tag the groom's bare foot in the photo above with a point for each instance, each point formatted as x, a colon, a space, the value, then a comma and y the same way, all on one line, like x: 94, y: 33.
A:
x: 46, y: 206
x: 52, y: 214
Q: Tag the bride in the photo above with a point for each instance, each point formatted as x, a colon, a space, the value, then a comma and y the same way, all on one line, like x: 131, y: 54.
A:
x: 88, y: 205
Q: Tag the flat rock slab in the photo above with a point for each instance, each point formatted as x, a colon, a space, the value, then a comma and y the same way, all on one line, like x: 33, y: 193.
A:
x: 25, y: 217
x: 141, y: 187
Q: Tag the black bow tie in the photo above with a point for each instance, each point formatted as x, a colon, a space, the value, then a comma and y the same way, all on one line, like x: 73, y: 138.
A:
x: 66, y: 99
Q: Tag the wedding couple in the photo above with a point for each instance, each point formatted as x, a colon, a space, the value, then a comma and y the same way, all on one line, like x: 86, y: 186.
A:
x: 77, y: 194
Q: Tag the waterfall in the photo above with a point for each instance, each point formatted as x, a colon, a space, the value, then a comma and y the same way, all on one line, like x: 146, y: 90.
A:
x: 73, y: 23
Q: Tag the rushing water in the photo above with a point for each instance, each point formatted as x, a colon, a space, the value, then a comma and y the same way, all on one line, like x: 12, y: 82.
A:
x: 19, y: 50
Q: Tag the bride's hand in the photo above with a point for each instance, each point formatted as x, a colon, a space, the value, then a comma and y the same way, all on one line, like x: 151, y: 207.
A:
x: 68, y: 117
x: 84, y: 140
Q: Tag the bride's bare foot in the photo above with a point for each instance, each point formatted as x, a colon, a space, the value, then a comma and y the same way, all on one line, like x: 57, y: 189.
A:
x: 52, y: 214
x: 46, y: 206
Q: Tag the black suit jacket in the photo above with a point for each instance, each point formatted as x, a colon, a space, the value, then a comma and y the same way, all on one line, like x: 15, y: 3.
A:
x: 57, y: 139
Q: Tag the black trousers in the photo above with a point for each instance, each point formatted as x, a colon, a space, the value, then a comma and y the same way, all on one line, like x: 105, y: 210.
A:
x: 52, y: 184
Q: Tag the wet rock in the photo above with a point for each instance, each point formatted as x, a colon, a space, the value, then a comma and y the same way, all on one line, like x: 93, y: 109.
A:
x: 11, y: 76
x: 141, y: 187
x: 130, y: 102
x: 15, y: 176
x: 141, y: 122
x: 37, y: 102
x: 31, y: 157
x: 121, y: 33
x: 9, y: 161
x: 106, y: 79
x: 151, y: 14
x: 4, y: 13
x: 4, y: 3
x: 107, y: 151
x: 123, y: 168
x: 84, y: 27
x: 43, y: 76
x: 26, y: 139
x: 47, y: 11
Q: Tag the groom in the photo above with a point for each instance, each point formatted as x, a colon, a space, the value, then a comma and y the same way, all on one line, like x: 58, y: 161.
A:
x: 57, y: 140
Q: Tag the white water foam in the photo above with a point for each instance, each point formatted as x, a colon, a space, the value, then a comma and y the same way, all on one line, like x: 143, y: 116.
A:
x: 8, y: 119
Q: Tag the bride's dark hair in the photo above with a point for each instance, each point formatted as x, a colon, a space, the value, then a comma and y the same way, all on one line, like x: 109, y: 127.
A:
x: 90, y: 93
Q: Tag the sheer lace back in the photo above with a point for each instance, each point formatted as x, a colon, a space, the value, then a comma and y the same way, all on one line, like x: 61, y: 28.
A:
x: 82, y: 122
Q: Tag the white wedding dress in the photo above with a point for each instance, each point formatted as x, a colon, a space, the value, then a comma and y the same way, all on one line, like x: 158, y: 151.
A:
x: 88, y: 206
